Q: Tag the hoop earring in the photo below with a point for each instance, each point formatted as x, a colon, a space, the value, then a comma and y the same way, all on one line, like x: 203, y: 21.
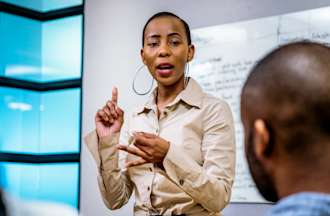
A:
x: 133, y: 83
x: 186, y: 75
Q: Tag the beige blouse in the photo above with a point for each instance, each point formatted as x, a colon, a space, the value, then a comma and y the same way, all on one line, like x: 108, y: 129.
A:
x: 198, y: 170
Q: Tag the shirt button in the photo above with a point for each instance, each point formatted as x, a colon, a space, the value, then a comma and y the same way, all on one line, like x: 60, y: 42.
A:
x: 148, y: 188
x: 150, y: 169
x: 181, y: 182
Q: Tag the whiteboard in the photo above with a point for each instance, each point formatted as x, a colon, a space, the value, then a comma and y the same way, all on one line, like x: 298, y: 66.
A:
x: 226, y: 53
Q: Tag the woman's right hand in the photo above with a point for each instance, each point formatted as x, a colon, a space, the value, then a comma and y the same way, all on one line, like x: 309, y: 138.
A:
x: 110, y: 118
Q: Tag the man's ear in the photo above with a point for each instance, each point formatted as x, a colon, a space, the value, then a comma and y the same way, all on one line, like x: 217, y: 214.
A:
x: 142, y: 56
x: 191, y: 52
x: 262, y: 145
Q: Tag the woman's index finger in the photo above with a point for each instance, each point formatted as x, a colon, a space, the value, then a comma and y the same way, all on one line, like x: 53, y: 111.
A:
x: 114, y: 97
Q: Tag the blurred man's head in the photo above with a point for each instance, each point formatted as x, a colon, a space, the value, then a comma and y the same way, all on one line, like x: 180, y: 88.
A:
x: 3, y: 209
x: 285, y: 109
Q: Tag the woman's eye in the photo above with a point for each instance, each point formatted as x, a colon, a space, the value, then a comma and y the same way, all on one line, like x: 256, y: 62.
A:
x: 175, y: 42
x: 152, y: 44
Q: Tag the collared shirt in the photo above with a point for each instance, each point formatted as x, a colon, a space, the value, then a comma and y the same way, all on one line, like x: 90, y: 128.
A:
x: 198, y: 169
x: 303, y: 204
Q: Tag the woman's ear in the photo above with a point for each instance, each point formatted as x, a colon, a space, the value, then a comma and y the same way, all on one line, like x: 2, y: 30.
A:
x: 191, y: 52
x: 142, y: 56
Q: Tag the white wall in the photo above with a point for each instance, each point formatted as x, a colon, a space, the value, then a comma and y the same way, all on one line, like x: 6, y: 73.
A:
x: 111, y: 57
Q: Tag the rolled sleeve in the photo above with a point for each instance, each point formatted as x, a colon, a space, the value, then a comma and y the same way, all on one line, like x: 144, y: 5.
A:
x: 114, y: 184
x: 91, y: 141
x: 108, y: 152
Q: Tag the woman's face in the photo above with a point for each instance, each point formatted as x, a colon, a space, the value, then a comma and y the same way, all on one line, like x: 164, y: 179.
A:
x: 166, y: 50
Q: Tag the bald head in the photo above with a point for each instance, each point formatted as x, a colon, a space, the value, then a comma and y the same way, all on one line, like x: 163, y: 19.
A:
x: 290, y: 89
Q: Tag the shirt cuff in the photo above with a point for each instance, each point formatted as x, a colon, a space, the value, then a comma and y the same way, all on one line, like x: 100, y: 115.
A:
x: 108, y: 141
x: 108, y: 152
x: 102, y: 149
x: 91, y: 141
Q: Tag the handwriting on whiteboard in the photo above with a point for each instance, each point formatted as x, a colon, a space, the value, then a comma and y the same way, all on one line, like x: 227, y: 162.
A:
x: 225, y: 54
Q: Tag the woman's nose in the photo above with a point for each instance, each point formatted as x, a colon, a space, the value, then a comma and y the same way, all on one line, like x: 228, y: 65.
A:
x: 164, y: 50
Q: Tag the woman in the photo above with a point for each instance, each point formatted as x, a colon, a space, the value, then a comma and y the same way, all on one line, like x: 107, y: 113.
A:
x: 179, y: 145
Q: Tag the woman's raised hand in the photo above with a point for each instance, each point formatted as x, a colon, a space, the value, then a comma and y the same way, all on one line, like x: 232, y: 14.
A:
x: 110, y: 118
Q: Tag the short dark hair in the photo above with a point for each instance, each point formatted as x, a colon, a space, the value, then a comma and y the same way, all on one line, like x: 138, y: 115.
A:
x: 290, y: 89
x: 163, y: 14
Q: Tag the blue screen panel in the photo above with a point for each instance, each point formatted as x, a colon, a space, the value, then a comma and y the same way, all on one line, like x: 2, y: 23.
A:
x: 20, y: 44
x: 39, y: 122
x: 40, y: 51
x: 47, y: 182
x: 61, y: 49
x: 44, y: 5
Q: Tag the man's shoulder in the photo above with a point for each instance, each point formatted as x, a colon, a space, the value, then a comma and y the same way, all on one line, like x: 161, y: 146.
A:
x: 302, y: 204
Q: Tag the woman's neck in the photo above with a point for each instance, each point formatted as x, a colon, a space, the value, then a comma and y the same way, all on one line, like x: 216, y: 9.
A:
x: 166, y: 94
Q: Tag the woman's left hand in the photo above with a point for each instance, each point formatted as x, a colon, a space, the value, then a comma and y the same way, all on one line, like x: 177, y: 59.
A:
x: 150, y: 147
